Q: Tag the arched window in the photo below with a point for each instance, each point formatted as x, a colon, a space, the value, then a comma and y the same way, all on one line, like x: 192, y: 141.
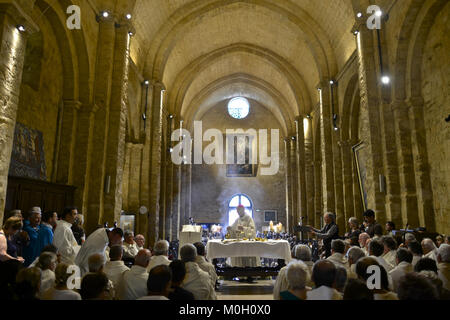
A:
x: 239, y: 199
x: 239, y: 108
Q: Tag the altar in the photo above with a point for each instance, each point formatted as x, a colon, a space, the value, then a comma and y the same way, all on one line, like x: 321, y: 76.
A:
x: 273, y: 249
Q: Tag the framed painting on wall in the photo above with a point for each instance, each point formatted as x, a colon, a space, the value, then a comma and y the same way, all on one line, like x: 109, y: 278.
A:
x: 127, y: 222
x: 359, y: 152
x: 240, y: 150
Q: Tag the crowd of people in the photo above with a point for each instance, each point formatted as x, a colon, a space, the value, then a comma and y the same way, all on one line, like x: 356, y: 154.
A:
x: 47, y: 256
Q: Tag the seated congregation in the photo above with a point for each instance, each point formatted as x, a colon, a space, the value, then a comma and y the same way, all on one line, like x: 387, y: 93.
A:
x: 48, y: 257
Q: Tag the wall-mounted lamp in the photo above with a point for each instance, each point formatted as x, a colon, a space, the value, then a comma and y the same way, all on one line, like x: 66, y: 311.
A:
x: 128, y: 16
x: 104, y: 14
x: 21, y: 28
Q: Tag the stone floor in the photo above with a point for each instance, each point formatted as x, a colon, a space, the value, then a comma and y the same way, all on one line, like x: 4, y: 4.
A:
x: 233, y: 290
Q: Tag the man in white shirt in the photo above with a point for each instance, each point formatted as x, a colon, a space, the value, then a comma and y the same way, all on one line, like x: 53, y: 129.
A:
x: 203, y: 264
x: 324, y: 277
x: 158, y: 283
x: 140, y: 241
x: 63, y: 237
x: 443, y: 259
x: 404, y: 266
x: 363, y: 239
x: 337, y: 253
x: 47, y: 264
x: 115, y: 268
x: 130, y: 248
x: 354, y: 254
x: 302, y: 253
x: 160, y: 255
x: 390, y: 250
x: 97, y: 242
x: 429, y: 249
x: 197, y: 281
x: 134, y: 282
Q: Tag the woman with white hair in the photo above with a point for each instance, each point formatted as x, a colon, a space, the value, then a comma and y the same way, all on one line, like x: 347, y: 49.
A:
x: 297, y: 275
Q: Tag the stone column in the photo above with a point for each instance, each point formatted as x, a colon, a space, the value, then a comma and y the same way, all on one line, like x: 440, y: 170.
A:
x: 176, y: 202
x: 169, y: 181
x: 406, y: 163
x: 347, y: 177
x: 326, y: 146
x: 338, y: 183
x: 115, y: 152
x: 294, y: 182
x: 66, y: 153
x: 309, y: 177
x: 155, y: 162
x: 301, y: 169
x: 287, y: 152
x: 370, y: 119
x: 318, y: 205
x: 163, y: 186
x: 134, y: 201
x: 421, y: 165
x: 102, y: 97
x: 12, y: 54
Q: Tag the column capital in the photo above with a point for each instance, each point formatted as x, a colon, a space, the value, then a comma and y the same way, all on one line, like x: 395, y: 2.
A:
x: 415, y: 102
x: 19, y: 15
x: 74, y: 104
x: 158, y: 84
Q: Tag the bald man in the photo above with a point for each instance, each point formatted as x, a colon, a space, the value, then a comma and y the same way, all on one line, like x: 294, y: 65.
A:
x: 134, y: 282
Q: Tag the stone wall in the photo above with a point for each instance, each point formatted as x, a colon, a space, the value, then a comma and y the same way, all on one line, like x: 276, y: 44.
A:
x: 436, y: 94
x: 212, y: 190
x: 41, y: 89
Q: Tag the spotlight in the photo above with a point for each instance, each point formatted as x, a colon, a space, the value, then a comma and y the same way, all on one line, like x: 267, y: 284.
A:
x: 293, y: 138
x: 336, y: 128
x: 171, y: 116
x: 21, y: 28
x: 170, y: 150
x: 359, y: 14
x: 385, y: 79
x: 146, y: 82
x: 131, y: 33
x: 128, y: 16
x: 308, y: 116
x: 144, y: 117
x: 319, y: 89
x: 332, y: 82
x: 356, y: 32
x: 379, y: 13
x: 105, y: 14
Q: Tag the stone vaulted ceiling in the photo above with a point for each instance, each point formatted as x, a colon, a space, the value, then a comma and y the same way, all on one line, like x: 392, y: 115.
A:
x: 273, y: 51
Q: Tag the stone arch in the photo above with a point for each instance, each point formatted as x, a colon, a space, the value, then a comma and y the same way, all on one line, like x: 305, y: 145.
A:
x: 318, y: 41
x: 295, y: 80
x: 283, y: 117
x: 349, y: 104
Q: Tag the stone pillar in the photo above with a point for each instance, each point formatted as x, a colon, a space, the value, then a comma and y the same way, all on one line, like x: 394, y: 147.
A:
x: 309, y: 176
x: 287, y: 152
x: 301, y: 169
x: 294, y: 182
x: 370, y: 119
x: 406, y: 163
x: 421, y: 165
x: 347, y: 178
x: 163, y: 194
x: 134, y: 174
x: 66, y: 153
x: 338, y: 183
x: 326, y: 146
x: 169, y: 181
x: 12, y: 54
x: 318, y: 205
x: 115, y: 152
x: 176, y: 207
x: 155, y: 161
x: 102, y: 97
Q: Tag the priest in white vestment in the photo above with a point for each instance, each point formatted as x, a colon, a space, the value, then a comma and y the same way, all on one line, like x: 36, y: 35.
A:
x: 160, y: 255
x: 115, y: 268
x: 246, y: 226
x: 63, y: 237
x: 97, y: 242
x: 134, y: 282
x: 404, y: 259
x: 429, y: 249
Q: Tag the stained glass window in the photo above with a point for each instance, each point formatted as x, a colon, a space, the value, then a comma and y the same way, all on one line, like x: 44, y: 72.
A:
x: 239, y: 108
x: 237, y: 200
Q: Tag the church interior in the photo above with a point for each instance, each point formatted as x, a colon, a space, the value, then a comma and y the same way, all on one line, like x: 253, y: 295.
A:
x: 92, y: 92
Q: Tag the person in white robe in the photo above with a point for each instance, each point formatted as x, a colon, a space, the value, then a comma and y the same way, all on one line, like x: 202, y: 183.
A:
x: 115, y: 267
x: 130, y: 248
x: 404, y: 259
x: 160, y: 255
x: 205, y: 265
x: 363, y: 242
x: 63, y: 237
x: 337, y: 254
x: 245, y: 226
x: 47, y: 263
x: 429, y: 249
x: 302, y: 254
x: 390, y: 250
x: 134, y: 283
x: 97, y: 242
x: 443, y: 259
x: 353, y: 256
x: 196, y: 281
x: 140, y: 241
